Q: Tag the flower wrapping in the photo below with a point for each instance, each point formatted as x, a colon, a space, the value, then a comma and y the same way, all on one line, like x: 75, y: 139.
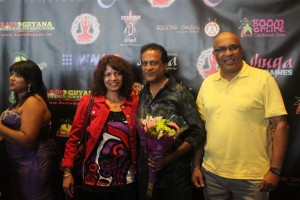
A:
x: 157, y: 136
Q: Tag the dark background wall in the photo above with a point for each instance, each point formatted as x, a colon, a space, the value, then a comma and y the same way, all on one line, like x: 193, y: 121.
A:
x: 68, y: 37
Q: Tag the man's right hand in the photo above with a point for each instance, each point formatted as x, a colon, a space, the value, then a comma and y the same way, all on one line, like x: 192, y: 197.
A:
x: 298, y: 109
x: 197, y: 178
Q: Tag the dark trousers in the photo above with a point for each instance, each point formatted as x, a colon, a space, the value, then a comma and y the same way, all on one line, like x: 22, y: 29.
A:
x: 4, y: 173
x: 182, y: 191
x: 119, y: 195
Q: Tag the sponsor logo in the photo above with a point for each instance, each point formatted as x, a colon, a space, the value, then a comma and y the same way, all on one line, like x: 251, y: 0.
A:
x: 297, y: 101
x: 291, y: 181
x: 71, y: 98
x: 66, y: 97
x: 275, y: 66
x: 207, y: 64
x: 64, y: 128
x: 45, y: 1
x: 28, y: 28
x: 21, y: 55
x: 262, y: 28
x: 212, y: 3
x: 137, y: 87
x: 212, y: 28
x: 85, y: 29
x: 70, y: 62
x: 80, y: 62
x: 161, y: 3
x: 130, y: 32
x: 183, y: 28
x: 106, y: 5
x: 172, y: 64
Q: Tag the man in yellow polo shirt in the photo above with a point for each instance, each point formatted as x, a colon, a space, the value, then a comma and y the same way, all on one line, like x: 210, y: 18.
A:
x: 247, y: 129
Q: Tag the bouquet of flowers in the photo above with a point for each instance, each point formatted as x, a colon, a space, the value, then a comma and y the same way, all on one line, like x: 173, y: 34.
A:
x: 159, y: 134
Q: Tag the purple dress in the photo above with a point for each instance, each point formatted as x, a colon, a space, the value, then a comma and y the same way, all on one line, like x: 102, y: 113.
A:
x: 33, y: 170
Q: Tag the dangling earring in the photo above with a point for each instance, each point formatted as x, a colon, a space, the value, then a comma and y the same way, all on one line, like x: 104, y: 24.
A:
x: 12, y: 97
x: 29, y: 88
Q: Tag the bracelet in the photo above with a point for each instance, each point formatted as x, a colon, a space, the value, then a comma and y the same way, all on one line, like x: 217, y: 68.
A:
x: 196, y: 168
x: 67, y: 175
x: 275, y: 171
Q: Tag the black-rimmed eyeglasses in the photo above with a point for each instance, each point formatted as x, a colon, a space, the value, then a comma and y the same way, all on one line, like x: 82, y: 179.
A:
x: 223, y: 49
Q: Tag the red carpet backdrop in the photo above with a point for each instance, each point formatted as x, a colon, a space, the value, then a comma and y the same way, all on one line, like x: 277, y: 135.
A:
x: 66, y: 38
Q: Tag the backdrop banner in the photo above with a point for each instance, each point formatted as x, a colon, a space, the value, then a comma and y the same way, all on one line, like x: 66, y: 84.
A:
x: 66, y: 38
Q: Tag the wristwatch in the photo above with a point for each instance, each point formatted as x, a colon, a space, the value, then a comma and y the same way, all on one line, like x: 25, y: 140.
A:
x: 275, y: 171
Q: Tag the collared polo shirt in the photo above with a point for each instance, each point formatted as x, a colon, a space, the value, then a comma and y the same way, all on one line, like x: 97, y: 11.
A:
x: 236, y: 113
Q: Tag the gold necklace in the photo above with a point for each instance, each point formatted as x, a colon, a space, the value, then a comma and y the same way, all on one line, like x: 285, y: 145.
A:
x: 115, y: 103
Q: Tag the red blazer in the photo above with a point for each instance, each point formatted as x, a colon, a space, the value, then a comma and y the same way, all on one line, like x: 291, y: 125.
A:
x: 99, y: 114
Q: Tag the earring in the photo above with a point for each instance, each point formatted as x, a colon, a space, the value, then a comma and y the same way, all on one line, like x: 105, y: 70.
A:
x: 12, y: 97
x: 29, y: 88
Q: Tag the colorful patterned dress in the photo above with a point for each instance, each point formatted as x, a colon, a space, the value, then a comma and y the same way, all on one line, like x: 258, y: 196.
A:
x: 109, y: 166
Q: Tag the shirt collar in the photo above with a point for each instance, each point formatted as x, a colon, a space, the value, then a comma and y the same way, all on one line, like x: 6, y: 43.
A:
x: 171, y: 83
x: 242, y: 73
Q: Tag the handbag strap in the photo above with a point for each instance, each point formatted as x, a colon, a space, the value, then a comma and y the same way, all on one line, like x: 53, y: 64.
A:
x: 83, y: 137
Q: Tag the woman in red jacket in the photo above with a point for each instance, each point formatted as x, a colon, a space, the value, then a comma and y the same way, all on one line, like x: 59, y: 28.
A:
x: 110, y: 162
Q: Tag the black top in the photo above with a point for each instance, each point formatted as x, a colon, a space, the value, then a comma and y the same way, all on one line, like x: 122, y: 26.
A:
x: 173, y: 98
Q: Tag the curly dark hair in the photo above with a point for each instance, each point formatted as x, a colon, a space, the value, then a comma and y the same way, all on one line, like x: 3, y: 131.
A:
x: 32, y: 74
x: 119, y: 64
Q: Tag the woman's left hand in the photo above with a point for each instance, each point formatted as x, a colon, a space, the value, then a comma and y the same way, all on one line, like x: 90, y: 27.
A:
x: 68, y: 185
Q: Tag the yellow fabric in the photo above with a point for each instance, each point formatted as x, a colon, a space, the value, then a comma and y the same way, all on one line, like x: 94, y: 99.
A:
x: 236, y: 114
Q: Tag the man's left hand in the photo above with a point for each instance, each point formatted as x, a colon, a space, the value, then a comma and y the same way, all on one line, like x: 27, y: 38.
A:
x: 269, y: 182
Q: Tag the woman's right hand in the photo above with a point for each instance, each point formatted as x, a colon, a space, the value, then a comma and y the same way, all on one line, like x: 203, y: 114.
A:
x: 68, y: 184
